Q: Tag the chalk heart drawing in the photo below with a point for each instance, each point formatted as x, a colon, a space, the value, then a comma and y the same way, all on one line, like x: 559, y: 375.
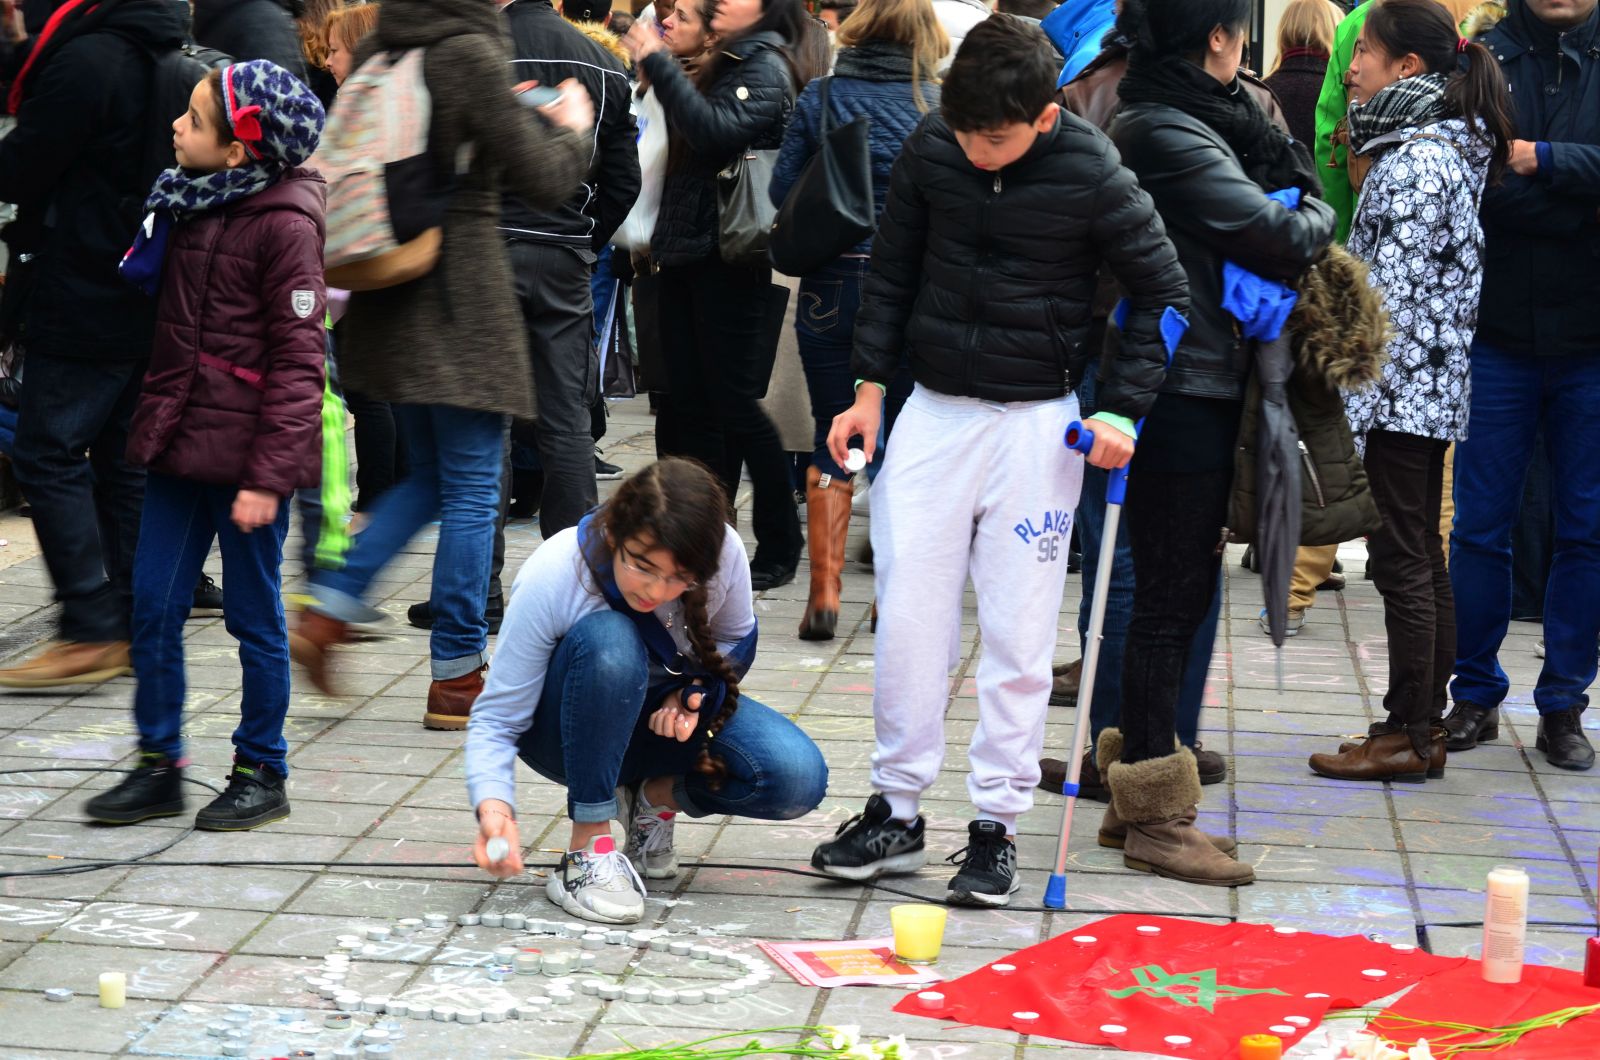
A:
x: 133, y: 925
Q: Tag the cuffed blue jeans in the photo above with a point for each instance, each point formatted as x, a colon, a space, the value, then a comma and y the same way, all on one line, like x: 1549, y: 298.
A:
x: 180, y: 520
x: 591, y: 733
x: 454, y: 458
x: 1512, y: 397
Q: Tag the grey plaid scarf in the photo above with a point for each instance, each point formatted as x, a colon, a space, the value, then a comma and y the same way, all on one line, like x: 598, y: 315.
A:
x: 1408, y: 102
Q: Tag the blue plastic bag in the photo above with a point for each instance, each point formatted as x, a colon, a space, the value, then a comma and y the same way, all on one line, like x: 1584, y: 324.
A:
x: 1261, y: 306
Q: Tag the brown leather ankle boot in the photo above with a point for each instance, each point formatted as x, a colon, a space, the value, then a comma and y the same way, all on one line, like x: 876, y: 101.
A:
x: 1384, y: 756
x: 450, y: 701
x: 1436, y: 746
x: 827, y: 523
x: 1113, y: 829
x: 311, y: 644
x: 1157, y: 799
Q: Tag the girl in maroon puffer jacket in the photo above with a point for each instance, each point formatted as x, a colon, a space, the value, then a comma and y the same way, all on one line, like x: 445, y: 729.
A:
x: 228, y: 423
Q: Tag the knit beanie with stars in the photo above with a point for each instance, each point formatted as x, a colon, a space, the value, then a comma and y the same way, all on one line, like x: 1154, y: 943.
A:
x: 276, y: 117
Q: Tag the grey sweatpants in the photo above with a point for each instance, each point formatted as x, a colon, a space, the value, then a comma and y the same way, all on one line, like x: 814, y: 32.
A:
x: 984, y: 489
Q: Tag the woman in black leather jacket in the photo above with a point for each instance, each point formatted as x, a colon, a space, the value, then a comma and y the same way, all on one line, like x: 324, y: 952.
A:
x: 713, y: 315
x: 1208, y: 155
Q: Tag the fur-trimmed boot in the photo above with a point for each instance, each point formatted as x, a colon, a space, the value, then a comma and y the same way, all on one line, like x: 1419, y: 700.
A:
x: 827, y: 523
x: 1157, y: 799
x: 1113, y: 829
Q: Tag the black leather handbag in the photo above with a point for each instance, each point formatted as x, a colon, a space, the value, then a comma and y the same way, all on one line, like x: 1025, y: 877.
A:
x: 830, y: 208
x: 744, y: 208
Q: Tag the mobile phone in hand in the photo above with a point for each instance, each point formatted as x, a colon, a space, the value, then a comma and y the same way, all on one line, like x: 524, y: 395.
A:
x: 539, y: 96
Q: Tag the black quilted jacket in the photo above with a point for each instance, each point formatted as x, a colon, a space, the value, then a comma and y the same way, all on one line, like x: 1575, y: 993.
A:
x: 747, y: 106
x: 985, y: 279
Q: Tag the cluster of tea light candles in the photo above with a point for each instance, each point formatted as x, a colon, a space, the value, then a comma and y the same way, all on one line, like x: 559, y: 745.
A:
x: 509, y: 961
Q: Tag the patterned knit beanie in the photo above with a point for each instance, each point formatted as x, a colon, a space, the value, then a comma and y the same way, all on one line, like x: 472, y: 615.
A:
x: 277, y: 118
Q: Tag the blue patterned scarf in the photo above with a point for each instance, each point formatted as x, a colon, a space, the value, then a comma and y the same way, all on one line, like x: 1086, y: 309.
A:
x: 278, y: 120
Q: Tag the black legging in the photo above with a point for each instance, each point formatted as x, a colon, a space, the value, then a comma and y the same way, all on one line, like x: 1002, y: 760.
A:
x: 1176, y: 506
x: 713, y: 322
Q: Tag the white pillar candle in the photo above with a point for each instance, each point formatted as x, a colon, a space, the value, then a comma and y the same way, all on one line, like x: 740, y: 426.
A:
x: 113, y: 989
x: 1505, y: 924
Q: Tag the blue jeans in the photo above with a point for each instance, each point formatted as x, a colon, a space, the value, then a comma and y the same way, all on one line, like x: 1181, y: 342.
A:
x: 591, y: 733
x: 1512, y: 397
x: 824, y: 328
x: 8, y: 430
x: 72, y: 437
x: 181, y: 519
x: 454, y: 458
x: 1105, y: 708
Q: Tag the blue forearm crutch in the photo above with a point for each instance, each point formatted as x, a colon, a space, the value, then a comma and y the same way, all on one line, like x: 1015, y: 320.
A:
x: 1081, y: 439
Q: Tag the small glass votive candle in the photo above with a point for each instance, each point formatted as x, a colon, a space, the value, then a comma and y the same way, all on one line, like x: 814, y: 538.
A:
x: 918, y: 932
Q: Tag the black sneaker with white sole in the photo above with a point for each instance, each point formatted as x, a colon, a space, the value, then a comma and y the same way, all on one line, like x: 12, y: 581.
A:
x: 988, y: 863
x: 872, y: 844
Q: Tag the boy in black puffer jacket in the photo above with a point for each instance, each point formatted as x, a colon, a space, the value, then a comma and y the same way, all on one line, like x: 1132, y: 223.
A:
x: 1001, y: 210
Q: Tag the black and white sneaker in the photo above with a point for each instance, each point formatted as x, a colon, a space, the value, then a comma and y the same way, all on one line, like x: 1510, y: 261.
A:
x: 872, y: 844
x: 604, y: 470
x: 988, y: 863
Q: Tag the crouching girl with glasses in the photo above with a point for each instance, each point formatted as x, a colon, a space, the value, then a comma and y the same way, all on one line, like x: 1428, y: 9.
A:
x: 617, y: 674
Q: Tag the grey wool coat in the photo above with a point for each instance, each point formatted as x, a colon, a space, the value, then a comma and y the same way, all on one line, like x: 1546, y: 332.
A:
x: 455, y: 337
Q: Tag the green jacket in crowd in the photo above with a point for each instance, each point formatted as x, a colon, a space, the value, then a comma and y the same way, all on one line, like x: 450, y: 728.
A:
x: 1332, y: 105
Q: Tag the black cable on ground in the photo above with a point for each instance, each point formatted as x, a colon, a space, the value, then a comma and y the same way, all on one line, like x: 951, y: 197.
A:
x: 142, y: 861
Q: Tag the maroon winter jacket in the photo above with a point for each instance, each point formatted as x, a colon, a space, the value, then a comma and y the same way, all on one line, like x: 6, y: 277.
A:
x: 233, y: 396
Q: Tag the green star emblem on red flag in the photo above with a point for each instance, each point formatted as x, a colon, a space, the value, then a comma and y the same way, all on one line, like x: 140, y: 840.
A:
x: 1193, y: 989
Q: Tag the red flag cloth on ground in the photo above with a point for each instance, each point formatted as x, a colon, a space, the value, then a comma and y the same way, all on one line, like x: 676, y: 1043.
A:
x: 1461, y: 996
x: 1211, y: 983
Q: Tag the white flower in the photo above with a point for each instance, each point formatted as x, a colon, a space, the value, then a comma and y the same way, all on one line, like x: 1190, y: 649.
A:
x: 895, y: 1048
x: 842, y: 1038
x: 1420, y: 1051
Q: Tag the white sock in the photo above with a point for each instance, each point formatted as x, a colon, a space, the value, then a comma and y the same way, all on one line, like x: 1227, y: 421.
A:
x: 902, y: 806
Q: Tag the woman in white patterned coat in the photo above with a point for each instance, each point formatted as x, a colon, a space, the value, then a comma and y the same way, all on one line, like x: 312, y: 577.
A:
x: 1432, y: 113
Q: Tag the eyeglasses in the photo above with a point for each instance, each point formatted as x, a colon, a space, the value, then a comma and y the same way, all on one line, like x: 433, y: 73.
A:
x: 632, y: 562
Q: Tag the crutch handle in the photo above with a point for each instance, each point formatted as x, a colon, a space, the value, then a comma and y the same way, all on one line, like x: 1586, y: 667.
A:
x: 1080, y: 439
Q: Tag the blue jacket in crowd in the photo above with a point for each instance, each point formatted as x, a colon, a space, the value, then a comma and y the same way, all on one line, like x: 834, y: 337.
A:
x: 1542, y: 234
x: 871, y: 79
x: 1076, y: 28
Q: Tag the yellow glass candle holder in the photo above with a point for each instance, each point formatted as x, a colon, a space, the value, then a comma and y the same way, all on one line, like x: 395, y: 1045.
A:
x: 918, y: 932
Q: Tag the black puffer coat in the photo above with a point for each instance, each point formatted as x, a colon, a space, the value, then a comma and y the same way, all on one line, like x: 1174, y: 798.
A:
x: 986, y: 279
x: 1214, y: 213
x: 747, y: 106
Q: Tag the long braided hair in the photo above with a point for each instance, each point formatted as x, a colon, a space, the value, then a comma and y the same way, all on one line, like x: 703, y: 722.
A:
x: 680, y: 506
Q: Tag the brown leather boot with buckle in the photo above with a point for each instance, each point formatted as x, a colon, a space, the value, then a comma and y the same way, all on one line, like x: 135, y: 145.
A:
x: 450, y: 701
x: 1113, y: 829
x: 827, y: 523
x: 311, y: 644
x: 1384, y: 756
x: 1157, y: 799
x: 1436, y: 746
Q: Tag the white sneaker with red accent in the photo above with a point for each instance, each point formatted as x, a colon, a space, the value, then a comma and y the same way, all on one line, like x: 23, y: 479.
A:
x: 598, y: 883
x: 649, y: 834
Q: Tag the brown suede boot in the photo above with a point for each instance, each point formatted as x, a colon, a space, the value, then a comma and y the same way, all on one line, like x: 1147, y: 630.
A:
x: 311, y: 644
x: 1113, y: 829
x: 1384, y: 756
x: 1157, y: 799
x: 68, y: 662
x: 827, y: 523
x: 450, y: 702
